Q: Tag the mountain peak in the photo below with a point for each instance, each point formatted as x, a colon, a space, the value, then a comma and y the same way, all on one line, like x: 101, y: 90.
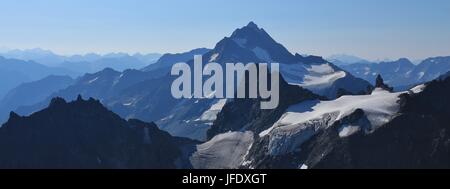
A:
x: 404, y: 60
x: 251, y: 29
x: 251, y: 24
x: 252, y: 44
x: 13, y: 116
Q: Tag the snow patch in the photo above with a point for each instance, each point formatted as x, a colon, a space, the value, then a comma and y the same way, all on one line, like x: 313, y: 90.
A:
x: 167, y: 118
x: 293, y: 73
x: 347, y: 130
x: 421, y: 74
x: 319, y: 78
x: 321, y: 69
x: 224, y: 151
x: 315, y: 76
x: 118, y: 79
x: 304, y: 166
x: 211, y: 114
x: 262, y: 54
x: 128, y: 104
x: 93, y: 80
x: 408, y: 73
x: 214, y: 57
x: 418, y: 88
x: 322, y: 80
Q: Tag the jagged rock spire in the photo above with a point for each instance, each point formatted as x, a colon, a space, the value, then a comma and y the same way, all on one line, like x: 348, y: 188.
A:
x: 57, y: 100
x: 379, y: 83
x: 13, y: 116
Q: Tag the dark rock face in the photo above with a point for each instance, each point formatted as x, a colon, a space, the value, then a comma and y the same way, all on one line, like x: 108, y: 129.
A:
x: 418, y: 137
x: 246, y: 114
x: 84, y: 134
x: 379, y: 82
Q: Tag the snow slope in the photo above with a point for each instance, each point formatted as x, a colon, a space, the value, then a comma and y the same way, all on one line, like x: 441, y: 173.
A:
x: 315, y: 77
x: 418, y: 88
x: 303, y: 120
x: 224, y: 151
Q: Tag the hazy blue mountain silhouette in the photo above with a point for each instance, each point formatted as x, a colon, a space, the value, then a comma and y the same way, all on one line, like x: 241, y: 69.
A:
x: 31, y: 93
x: 42, y: 56
x: 402, y: 73
x: 14, y: 72
x: 90, y: 62
x: 345, y: 59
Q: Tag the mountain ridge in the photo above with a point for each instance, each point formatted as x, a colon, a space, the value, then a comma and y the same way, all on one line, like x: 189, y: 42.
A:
x: 402, y: 73
x: 84, y: 134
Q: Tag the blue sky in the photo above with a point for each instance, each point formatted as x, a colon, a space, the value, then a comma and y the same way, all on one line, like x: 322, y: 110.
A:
x: 374, y: 29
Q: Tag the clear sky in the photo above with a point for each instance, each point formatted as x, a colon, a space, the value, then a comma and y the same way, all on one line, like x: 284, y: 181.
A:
x: 373, y: 29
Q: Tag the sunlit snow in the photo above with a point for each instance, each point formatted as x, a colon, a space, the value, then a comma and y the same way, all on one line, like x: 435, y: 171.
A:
x: 211, y: 114
x: 224, y: 151
x: 303, y: 120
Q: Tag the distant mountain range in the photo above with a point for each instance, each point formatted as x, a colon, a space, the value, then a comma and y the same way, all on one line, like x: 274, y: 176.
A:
x: 31, y: 93
x: 13, y: 72
x: 401, y: 74
x: 87, y: 63
x: 345, y: 59
x: 49, y: 58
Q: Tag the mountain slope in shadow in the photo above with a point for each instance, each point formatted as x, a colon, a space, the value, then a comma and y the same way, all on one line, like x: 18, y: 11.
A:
x: 84, y: 134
